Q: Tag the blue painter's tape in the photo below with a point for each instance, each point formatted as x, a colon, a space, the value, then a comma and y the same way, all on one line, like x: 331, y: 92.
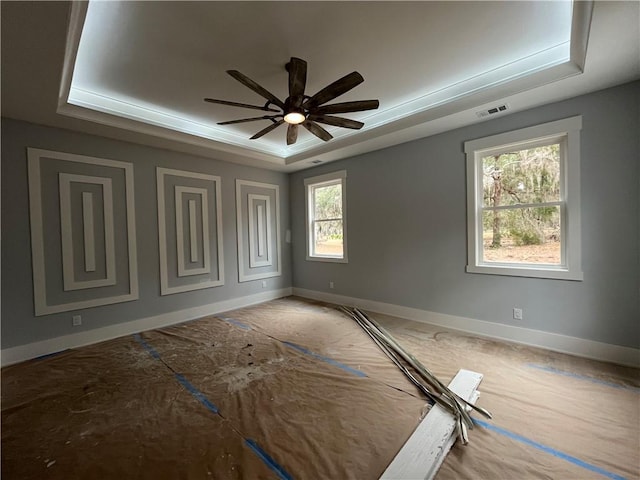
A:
x: 146, y: 346
x: 264, y: 456
x: 270, y: 462
x: 546, y: 449
x: 181, y: 379
x: 232, y: 321
x: 49, y: 355
x: 583, y: 377
x: 328, y: 360
x: 196, y: 393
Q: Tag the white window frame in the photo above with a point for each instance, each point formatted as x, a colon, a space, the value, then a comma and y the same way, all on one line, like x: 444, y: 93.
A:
x: 567, y: 133
x: 333, y: 178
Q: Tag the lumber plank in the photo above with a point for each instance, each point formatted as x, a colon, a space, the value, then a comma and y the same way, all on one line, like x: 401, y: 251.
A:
x: 425, y: 450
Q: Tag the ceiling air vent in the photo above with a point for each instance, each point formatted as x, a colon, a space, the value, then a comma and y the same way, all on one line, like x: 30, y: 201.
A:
x: 316, y: 161
x: 493, y: 110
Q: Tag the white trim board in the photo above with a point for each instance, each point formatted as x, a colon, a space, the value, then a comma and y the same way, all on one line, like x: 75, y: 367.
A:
x: 536, y: 338
x: 425, y: 450
x: 21, y: 353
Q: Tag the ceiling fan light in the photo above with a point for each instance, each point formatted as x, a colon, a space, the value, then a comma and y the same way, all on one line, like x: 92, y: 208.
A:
x: 294, y: 118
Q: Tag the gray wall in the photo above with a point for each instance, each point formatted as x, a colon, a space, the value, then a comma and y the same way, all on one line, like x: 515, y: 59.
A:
x: 407, y: 229
x: 20, y: 326
x: 406, y: 214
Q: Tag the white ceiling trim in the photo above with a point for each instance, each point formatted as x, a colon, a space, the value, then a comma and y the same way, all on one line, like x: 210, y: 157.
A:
x: 152, y: 116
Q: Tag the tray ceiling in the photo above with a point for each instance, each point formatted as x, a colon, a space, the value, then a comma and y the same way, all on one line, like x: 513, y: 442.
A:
x: 145, y: 67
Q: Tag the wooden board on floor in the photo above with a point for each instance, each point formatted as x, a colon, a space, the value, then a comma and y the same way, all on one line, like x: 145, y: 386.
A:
x: 427, y: 447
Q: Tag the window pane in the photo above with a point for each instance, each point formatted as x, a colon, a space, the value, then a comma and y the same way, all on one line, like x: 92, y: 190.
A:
x: 522, y: 235
x: 523, y: 176
x: 328, y: 238
x: 328, y: 202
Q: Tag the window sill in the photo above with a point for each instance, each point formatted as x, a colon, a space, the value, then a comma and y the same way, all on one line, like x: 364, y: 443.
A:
x: 557, y: 273
x: 326, y: 259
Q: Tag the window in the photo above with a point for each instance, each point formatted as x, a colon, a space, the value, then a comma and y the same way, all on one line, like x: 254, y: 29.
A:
x: 327, y: 217
x: 523, y: 202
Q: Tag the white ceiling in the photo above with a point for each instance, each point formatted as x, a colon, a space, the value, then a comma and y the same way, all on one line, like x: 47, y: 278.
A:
x: 139, y: 71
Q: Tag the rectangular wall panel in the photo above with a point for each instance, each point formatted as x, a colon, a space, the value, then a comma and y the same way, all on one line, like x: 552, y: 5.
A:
x: 258, y: 226
x: 87, y: 224
x: 260, y: 241
x: 261, y: 231
x: 82, y: 231
x: 88, y: 232
x: 190, y: 231
x: 193, y: 230
x: 189, y: 236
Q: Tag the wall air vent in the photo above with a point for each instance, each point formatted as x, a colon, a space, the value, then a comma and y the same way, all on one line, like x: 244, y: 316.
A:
x: 493, y: 110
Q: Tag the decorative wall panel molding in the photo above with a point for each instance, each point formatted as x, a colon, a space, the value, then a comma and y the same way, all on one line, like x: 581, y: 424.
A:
x: 83, y: 239
x: 190, y: 231
x: 260, y: 231
x: 88, y: 231
x: 197, y: 233
x: 258, y: 223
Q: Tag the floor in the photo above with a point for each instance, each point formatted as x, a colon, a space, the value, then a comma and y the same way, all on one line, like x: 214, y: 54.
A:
x: 294, y: 389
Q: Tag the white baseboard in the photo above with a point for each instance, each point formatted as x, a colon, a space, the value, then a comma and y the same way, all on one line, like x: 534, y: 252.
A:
x: 536, y: 338
x: 21, y: 353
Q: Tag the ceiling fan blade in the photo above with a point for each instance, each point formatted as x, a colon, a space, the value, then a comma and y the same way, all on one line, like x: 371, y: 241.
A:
x: 347, y: 107
x: 246, y: 81
x: 317, y: 130
x: 253, y: 119
x: 337, y: 121
x: 334, y: 90
x: 292, y: 134
x: 243, y: 105
x: 264, y: 131
x: 297, y: 78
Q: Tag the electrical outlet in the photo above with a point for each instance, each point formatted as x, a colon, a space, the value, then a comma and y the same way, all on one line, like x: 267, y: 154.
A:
x: 76, y: 320
x: 264, y: 284
x: 517, y: 313
x: 330, y: 284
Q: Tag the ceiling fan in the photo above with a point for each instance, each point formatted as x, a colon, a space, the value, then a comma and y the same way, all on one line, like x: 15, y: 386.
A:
x: 300, y: 109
